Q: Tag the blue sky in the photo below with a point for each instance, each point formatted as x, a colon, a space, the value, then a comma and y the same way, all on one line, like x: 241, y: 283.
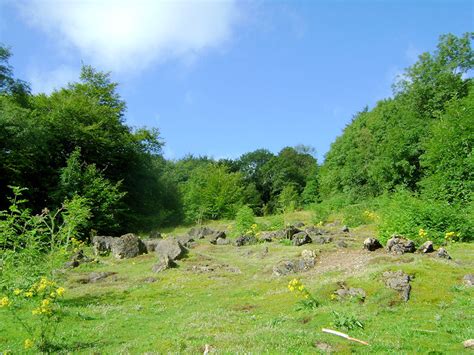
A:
x: 222, y: 78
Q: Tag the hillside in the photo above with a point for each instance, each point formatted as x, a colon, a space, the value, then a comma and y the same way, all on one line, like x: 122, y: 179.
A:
x: 229, y: 298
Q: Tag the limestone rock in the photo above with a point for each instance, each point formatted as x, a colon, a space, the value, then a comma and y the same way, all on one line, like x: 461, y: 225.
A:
x: 442, y: 253
x: 245, y: 240
x: 301, y: 238
x: 398, y: 281
x: 169, y: 249
x: 399, y: 245
x: 426, y: 247
x: 127, y: 246
x: 468, y: 280
x: 217, y: 235
x: 102, y: 245
x: 372, y: 244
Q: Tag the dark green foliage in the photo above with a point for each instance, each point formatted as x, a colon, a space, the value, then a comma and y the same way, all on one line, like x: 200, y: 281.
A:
x: 381, y: 149
x: 448, y: 159
x: 103, y: 197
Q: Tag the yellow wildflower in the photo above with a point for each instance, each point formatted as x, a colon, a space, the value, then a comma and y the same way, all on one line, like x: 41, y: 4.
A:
x: 422, y: 233
x: 29, y: 294
x: 60, y: 291
x: 17, y: 291
x: 36, y: 311
x: 28, y: 343
x: 4, y: 302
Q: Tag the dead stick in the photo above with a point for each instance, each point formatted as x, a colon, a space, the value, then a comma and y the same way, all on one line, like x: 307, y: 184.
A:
x: 335, y: 332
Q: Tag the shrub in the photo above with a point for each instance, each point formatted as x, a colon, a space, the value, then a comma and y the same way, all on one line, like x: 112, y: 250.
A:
x: 244, y: 220
x: 406, y: 214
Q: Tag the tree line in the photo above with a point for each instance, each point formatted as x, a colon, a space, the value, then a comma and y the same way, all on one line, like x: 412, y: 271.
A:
x: 75, y: 142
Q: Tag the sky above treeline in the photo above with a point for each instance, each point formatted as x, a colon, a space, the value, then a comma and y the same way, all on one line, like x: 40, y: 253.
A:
x: 221, y: 78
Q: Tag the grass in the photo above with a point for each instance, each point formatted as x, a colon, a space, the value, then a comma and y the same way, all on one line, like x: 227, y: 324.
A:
x: 253, y: 311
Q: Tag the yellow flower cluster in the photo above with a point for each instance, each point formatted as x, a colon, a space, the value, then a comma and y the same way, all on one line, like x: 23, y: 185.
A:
x: 295, y: 285
x: 5, y: 302
x: 422, y: 233
x: 45, y: 308
x: 452, y: 236
x: 253, y: 229
x: 77, y: 244
x: 28, y: 344
x: 371, y: 215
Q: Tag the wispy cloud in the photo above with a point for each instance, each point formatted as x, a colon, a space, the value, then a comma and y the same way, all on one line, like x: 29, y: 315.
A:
x: 48, y: 81
x: 129, y: 35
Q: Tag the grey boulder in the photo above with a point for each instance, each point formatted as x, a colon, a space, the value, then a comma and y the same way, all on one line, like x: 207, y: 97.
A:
x: 372, y: 244
x: 127, y: 246
x: 301, y: 238
x: 398, y: 281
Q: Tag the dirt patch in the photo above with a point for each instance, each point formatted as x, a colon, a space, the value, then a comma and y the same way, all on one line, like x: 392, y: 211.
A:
x: 346, y: 261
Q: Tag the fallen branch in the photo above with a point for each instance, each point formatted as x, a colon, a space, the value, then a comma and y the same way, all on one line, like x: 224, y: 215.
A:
x: 339, y: 334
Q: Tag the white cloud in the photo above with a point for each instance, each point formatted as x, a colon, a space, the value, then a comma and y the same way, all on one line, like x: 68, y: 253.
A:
x: 48, y: 81
x: 124, y: 35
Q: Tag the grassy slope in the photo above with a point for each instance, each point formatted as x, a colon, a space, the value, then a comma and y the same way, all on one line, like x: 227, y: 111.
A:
x: 253, y: 311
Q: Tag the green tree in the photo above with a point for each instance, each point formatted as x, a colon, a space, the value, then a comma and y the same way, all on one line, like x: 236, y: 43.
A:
x: 448, y: 160
x: 212, y: 193
x: 104, y: 198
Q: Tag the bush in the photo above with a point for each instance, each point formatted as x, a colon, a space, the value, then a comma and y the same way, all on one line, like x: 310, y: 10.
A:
x: 244, y: 220
x: 406, y: 214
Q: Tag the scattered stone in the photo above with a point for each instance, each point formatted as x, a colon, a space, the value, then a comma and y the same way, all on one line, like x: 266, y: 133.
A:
x: 155, y: 235
x: 149, y: 280
x: 150, y: 244
x: 245, y: 240
x: 217, y: 235
x: 290, y: 231
x: 163, y: 264
x: 468, y: 344
x: 398, y: 281
x: 345, y: 229
x: 102, y: 245
x: 267, y: 236
x: 468, y: 280
x: 77, y: 259
x: 442, y: 253
x: 127, y: 246
x: 301, y: 238
x: 208, y: 268
x: 345, y: 293
x: 169, y: 249
x: 426, y: 247
x: 286, y: 267
x: 399, y: 245
x: 322, y: 239
x: 372, y: 244
x: 308, y: 254
x: 264, y: 252
x: 313, y: 231
x: 186, y: 240
x: 221, y: 241
x: 341, y: 244
x: 94, y: 277
x: 298, y: 224
x: 200, y: 232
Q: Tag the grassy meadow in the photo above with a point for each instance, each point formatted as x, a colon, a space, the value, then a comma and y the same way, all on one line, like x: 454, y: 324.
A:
x: 241, y: 307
